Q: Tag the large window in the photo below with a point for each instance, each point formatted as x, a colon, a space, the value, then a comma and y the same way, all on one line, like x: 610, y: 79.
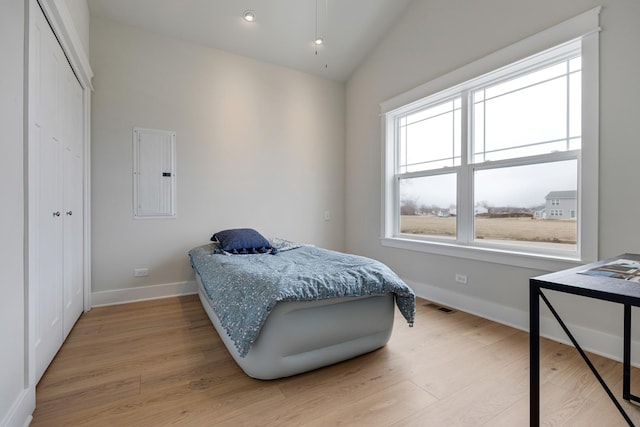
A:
x: 501, y: 162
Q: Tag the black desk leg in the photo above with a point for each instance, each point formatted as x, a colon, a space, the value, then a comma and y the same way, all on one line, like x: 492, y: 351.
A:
x: 534, y: 354
x: 626, y: 360
x: 584, y: 357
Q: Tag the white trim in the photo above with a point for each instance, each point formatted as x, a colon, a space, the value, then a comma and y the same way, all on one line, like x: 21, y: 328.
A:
x: 594, y: 341
x: 32, y: 171
x: 493, y: 255
x: 87, y: 200
x: 143, y: 293
x: 20, y: 412
x: 590, y: 157
x: 61, y: 22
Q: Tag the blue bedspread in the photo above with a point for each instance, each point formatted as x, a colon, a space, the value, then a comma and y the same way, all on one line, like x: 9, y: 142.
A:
x: 245, y: 288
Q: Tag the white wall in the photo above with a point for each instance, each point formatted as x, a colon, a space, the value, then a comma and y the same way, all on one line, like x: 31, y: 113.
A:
x: 437, y: 36
x: 79, y: 12
x: 16, y: 399
x: 257, y: 146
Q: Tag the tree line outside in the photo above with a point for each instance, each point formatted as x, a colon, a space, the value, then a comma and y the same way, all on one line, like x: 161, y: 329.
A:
x: 506, y: 223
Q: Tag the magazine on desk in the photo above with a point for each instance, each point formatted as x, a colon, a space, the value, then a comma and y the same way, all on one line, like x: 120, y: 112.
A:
x: 624, y: 269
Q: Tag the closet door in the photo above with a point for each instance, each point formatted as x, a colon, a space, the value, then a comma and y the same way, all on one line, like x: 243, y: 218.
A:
x: 46, y: 129
x: 56, y: 176
x: 72, y: 191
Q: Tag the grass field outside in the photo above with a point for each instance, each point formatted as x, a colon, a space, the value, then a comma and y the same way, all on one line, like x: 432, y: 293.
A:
x: 511, y: 229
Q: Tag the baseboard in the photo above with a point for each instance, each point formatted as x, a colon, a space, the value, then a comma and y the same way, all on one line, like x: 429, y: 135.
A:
x: 21, y: 412
x: 597, y: 342
x: 144, y: 293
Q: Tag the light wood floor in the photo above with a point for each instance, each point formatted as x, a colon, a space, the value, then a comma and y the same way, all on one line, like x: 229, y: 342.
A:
x: 161, y: 363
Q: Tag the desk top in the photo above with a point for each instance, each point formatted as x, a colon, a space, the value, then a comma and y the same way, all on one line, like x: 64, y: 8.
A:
x: 594, y: 284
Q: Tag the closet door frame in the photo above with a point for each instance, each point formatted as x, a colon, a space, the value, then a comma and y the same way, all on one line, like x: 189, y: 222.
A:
x: 61, y: 22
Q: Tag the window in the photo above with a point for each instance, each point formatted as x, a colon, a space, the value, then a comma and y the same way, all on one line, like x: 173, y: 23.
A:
x: 496, y: 163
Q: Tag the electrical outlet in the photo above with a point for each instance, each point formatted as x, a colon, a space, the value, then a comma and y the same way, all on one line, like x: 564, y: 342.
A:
x: 461, y: 278
x: 140, y: 272
x: 327, y: 215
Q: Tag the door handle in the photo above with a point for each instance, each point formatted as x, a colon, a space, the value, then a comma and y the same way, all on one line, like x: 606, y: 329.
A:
x: 69, y: 213
x: 56, y: 213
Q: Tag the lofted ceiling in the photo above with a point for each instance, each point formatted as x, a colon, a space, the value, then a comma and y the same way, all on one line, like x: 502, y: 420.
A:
x: 282, y: 34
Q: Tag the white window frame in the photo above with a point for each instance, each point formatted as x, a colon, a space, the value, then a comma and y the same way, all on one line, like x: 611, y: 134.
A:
x: 584, y: 29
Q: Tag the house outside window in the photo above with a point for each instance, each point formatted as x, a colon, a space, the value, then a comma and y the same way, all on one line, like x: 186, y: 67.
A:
x: 566, y: 201
x: 478, y: 165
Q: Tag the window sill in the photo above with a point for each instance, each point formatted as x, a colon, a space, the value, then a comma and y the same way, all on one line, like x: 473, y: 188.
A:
x: 512, y: 258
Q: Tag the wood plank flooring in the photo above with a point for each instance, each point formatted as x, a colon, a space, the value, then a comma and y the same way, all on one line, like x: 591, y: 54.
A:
x: 160, y: 363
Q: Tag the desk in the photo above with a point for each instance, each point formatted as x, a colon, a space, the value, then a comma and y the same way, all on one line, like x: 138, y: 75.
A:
x: 572, y: 281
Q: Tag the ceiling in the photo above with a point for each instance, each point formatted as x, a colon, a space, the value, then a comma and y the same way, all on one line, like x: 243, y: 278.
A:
x: 282, y: 33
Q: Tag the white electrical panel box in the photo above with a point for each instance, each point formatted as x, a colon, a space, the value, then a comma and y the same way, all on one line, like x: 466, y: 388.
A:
x: 154, y: 173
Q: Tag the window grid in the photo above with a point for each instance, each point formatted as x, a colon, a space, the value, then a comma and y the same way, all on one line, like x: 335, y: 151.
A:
x: 404, y: 165
x: 479, y: 97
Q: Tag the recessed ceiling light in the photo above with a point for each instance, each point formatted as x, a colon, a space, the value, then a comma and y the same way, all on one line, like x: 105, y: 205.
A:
x: 249, y: 15
x: 318, y: 41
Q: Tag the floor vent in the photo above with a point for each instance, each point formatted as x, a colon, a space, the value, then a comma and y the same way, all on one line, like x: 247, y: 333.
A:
x: 439, y: 308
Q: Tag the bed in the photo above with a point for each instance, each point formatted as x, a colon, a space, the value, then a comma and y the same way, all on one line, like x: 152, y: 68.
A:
x: 287, y: 308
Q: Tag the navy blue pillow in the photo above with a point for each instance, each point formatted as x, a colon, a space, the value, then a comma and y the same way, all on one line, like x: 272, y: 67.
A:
x: 242, y: 241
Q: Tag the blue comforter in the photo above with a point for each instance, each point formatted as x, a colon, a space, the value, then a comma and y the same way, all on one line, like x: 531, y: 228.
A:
x: 245, y: 288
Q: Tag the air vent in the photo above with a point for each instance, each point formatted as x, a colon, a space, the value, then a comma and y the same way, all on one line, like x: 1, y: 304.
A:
x: 439, y: 308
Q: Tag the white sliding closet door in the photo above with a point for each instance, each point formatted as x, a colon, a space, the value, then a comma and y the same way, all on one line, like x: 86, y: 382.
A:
x: 73, y: 168
x: 56, y: 176
x: 45, y: 130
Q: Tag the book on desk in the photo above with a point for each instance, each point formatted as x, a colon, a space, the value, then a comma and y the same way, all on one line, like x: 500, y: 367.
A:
x: 624, y: 269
